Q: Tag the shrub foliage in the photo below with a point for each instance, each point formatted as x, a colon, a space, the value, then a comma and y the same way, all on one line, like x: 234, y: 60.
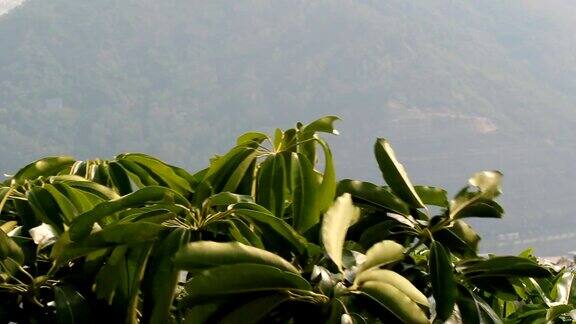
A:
x: 266, y: 233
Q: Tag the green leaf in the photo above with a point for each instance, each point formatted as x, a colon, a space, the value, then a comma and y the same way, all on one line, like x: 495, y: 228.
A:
x: 555, y: 311
x: 137, y: 173
x: 488, y: 315
x: 119, y: 280
x: 395, y: 175
x: 156, y: 213
x: 161, y: 278
x: 222, y: 168
x: 82, y: 225
x: 228, y: 198
x: 270, y: 224
x: 240, y: 278
x: 201, y: 313
x: 94, y: 188
x: 529, y: 313
x: 489, y: 183
x: 205, y: 254
x: 327, y: 188
x: 372, y: 195
x: 335, y: 224
x: 380, y: 231
x: 65, y: 250
x: 131, y: 232
x: 459, y: 238
x: 5, y: 195
x: 502, y: 266
x: 8, y: 226
x: 78, y: 198
x: 44, y: 167
x: 380, y: 254
x: 305, y: 188
x: 244, y: 233
x: 240, y: 173
x: 251, y: 137
x: 395, y: 301
x: 563, y: 288
x: 393, y: 278
x: 119, y: 178
x: 307, y: 138
x: 66, y: 206
x: 288, y: 141
x: 9, y: 249
x: 255, y: 310
x: 484, y: 209
x: 432, y: 196
x: 71, y: 306
x: 444, y: 287
x: 271, y: 185
x: 469, y: 310
x: 45, y: 207
x: 324, y: 124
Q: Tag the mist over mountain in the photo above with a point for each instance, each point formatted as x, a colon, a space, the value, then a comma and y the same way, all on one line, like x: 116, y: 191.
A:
x: 457, y: 87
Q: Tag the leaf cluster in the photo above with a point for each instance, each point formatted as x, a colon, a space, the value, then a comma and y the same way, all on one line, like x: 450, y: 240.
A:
x: 264, y: 234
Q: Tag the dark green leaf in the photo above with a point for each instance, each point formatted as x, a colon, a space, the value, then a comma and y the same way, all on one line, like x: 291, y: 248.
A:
x: 324, y: 124
x: 82, y: 225
x: 223, y: 168
x: 383, y: 253
x: 201, y: 313
x: 240, y: 173
x: 120, y: 278
x: 459, y: 238
x: 432, y: 196
x: 305, y: 188
x: 44, y: 167
x: 131, y: 232
x: 374, y: 196
x: 162, y: 277
x: 395, y: 175
x: 488, y: 315
x: 9, y: 249
x: 271, y: 185
x: 119, y: 178
x: 506, y: 266
x: 555, y: 311
x: 480, y: 208
x: 227, y: 198
x: 327, y: 189
x: 255, y: 310
x: 469, y: 310
x: 45, y: 207
x: 444, y: 287
x: 66, y: 206
x: 241, y: 278
x: 271, y: 224
x: 205, y: 254
x: 251, y: 137
x: 71, y: 306
x: 395, y: 301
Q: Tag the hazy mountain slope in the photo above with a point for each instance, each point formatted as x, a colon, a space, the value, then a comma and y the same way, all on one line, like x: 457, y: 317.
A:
x: 457, y: 87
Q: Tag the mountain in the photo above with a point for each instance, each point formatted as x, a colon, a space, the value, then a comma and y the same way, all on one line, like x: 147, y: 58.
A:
x: 456, y: 87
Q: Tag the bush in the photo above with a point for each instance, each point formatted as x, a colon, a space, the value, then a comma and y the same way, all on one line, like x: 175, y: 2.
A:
x: 264, y: 234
